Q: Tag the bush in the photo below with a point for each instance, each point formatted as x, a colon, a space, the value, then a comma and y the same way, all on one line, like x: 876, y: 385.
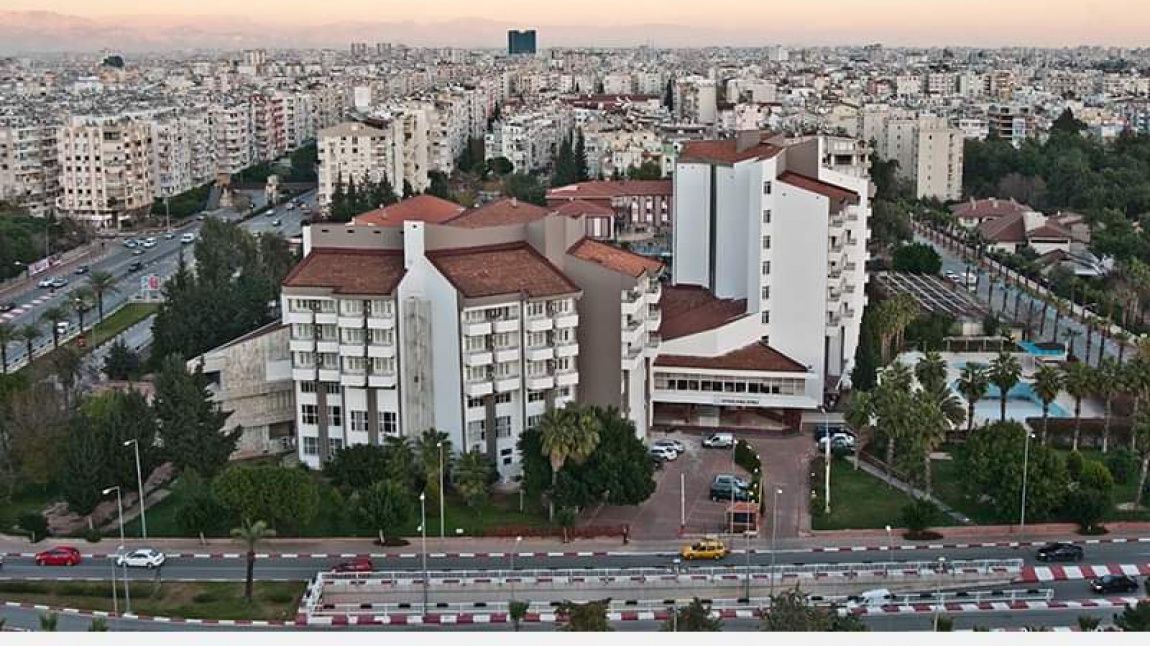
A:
x: 1095, y: 475
x: 92, y: 535
x: 1086, y: 507
x: 917, y: 518
x: 746, y: 457
x: 1074, y: 464
x: 1123, y: 465
x: 35, y: 524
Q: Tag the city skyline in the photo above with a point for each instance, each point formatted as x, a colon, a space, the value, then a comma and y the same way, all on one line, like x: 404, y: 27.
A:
x: 57, y: 25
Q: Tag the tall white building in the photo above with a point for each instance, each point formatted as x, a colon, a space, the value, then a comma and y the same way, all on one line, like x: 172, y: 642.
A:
x: 695, y: 100
x: 355, y: 152
x: 105, y: 170
x: 929, y: 154
x: 29, y: 172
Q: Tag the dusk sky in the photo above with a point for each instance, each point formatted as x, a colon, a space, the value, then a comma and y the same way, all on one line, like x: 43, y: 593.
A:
x: 916, y: 22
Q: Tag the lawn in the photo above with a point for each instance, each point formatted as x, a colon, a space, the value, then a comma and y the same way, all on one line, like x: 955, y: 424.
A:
x: 118, y: 321
x: 189, y: 599
x: 30, y: 500
x: 858, y: 500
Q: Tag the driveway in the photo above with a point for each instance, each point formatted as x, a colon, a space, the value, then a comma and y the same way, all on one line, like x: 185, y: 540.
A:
x: 683, y: 490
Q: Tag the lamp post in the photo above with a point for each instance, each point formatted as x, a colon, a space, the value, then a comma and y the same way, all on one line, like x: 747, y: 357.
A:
x: 774, y: 535
x: 890, y: 544
x: 511, y: 579
x: 826, y: 460
x: 747, y: 571
x: 1025, y: 466
x: 423, y: 541
x: 120, y: 549
x: 439, y: 444
x: 139, y: 483
x: 938, y: 590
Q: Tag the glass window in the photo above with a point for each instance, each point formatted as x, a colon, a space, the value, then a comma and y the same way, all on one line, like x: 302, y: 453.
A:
x: 388, y: 423
x: 335, y: 416
x: 309, y: 414
x: 310, y: 445
x: 359, y: 421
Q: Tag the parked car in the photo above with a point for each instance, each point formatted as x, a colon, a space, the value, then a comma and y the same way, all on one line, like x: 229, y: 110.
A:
x: 1113, y: 583
x: 358, y: 564
x: 1060, y: 552
x: 169, y: 235
x: 726, y: 478
x: 137, y: 252
x: 839, y: 442
x: 63, y: 555
x: 719, y: 441
x: 674, y: 445
x: 62, y: 327
x: 664, y: 453
x: 822, y: 430
x: 81, y: 270
x: 726, y: 489
x: 707, y: 548
x: 146, y: 557
x: 136, y: 266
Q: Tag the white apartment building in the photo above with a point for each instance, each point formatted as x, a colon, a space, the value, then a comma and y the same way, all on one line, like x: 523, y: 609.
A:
x: 929, y: 154
x: 182, y: 153
x: 355, y: 152
x: 768, y: 283
x: 695, y: 100
x: 474, y: 327
x: 105, y: 170
x: 29, y: 172
x: 529, y: 140
x: 232, y: 135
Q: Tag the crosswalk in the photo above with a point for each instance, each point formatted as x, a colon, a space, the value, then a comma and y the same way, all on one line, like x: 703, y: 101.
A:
x: 27, y: 307
x: 1079, y: 572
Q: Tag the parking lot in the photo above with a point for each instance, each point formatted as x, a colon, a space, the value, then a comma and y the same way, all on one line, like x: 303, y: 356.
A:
x: 683, y: 485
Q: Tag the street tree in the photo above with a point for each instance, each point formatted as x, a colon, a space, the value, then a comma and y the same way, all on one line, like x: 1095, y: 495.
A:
x: 1107, y: 384
x: 102, y: 283
x: 285, y: 498
x: 1141, y: 436
x: 54, y: 316
x: 1134, y: 619
x: 433, y: 449
x: 81, y: 304
x: 191, y: 422
x: 1079, y: 384
x: 385, y: 506
x: 789, y: 611
x: 8, y: 334
x: 586, y: 617
x: 991, y: 463
x: 472, y: 477
x: 251, y: 534
x: 356, y: 467
x: 695, y: 617
x: 973, y: 381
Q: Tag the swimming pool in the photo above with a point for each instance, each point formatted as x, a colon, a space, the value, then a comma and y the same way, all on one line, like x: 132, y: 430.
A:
x: 1021, y: 402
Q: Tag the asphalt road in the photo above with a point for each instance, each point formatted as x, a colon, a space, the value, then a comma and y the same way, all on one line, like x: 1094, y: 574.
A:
x: 161, y: 260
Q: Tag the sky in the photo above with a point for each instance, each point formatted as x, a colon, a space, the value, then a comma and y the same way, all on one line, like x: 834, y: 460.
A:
x: 916, y: 22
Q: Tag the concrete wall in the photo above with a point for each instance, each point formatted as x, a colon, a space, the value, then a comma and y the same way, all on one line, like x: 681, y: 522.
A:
x: 691, y: 232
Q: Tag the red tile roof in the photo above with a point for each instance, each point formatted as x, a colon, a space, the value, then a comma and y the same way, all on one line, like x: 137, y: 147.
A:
x: 1049, y: 231
x: 603, y: 188
x: 505, y: 211
x: 575, y: 208
x: 757, y: 356
x: 349, y: 271
x: 422, y: 208
x: 614, y: 258
x: 724, y: 151
x: 817, y: 186
x: 501, y: 269
x: 1005, y: 228
x: 989, y: 208
x: 688, y: 310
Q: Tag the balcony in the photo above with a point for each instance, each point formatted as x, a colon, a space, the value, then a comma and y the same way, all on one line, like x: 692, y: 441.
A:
x: 352, y: 350
x: 540, y: 324
x: 326, y: 318
x: 834, y: 271
x: 301, y: 345
x: 851, y: 266
x: 353, y: 379
x: 506, y: 325
x: 569, y: 378
x: 381, y: 381
x: 328, y: 374
x: 568, y: 320
x: 632, y: 333
x: 384, y: 351
x: 833, y: 318
x: 327, y: 347
x: 850, y: 288
x: 293, y: 316
x: 303, y: 374
x: 849, y: 313
x: 481, y: 328
x: 480, y: 358
x: 541, y: 382
x: 541, y: 353
x: 654, y: 291
x: 350, y: 321
x: 507, y: 384
x: 567, y: 350
x: 653, y: 340
x: 505, y: 354
x: 631, y: 307
x: 654, y: 318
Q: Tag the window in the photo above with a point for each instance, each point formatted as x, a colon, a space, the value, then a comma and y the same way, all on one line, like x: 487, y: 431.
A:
x: 388, y: 423
x: 505, y: 369
x: 565, y: 391
x: 503, y: 398
x: 301, y: 331
x: 351, y: 335
x: 309, y: 414
x: 476, y: 430
x: 353, y: 365
x: 766, y: 317
x: 351, y: 307
x: 335, y: 416
x: 766, y: 292
x: 503, y: 426
x: 536, y: 339
x: 766, y: 267
x: 563, y: 335
x: 536, y: 368
x: 767, y: 187
x: 536, y: 395
x: 382, y: 365
x: 766, y: 216
x: 381, y: 337
x: 504, y: 340
x: 359, y: 421
x: 380, y: 308
x: 535, y: 309
x: 533, y: 421
x: 307, y: 387
x: 766, y: 242
x: 476, y: 343
x: 310, y: 445
x: 334, y: 444
x: 474, y: 402
x: 326, y: 332
x: 560, y: 307
x: 332, y: 389
x: 563, y: 364
x: 304, y: 359
x: 477, y: 373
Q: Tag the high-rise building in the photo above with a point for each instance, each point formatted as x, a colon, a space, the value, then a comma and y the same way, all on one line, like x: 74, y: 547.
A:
x: 521, y: 42
x: 105, y: 170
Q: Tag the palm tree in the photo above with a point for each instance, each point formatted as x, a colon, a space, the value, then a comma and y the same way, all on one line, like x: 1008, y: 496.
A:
x: 81, y: 304
x: 1140, y: 443
x: 858, y: 415
x: 48, y: 622
x: 1136, y: 382
x: 1121, y: 338
x: 29, y: 333
x: 8, y: 334
x: 472, y: 477
x: 250, y: 535
x: 1107, y: 383
x: 893, y: 409
x: 931, y: 423
x: 1005, y: 371
x: 429, y: 452
x: 54, y: 315
x: 1072, y: 335
x: 568, y: 433
x: 1079, y: 384
x: 1047, y: 385
x: 972, y: 383
x: 101, y: 283
x: 931, y: 371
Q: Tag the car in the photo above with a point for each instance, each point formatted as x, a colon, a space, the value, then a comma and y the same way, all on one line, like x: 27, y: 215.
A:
x: 952, y: 276
x: 200, y: 217
x: 719, y: 441
x: 81, y: 270
x: 62, y: 327
x: 1060, y: 552
x: 149, y: 243
x: 63, y: 555
x: 277, y: 222
x: 136, y: 266
x: 57, y: 282
x: 290, y: 206
x: 45, y: 283
x: 726, y: 479
x: 674, y: 445
x: 706, y: 548
x: 832, y: 429
x: 7, y: 307
x: 137, y: 252
x: 1113, y: 583
x: 130, y: 243
x: 169, y: 235
x: 187, y: 238
x: 839, y: 441
x: 146, y: 557
x: 664, y: 453
x: 358, y: 564
x: 726, y: 488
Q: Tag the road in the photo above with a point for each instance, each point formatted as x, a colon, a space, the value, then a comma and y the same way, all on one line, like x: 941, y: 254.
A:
x: 161, y: 260
x: 951, y: 261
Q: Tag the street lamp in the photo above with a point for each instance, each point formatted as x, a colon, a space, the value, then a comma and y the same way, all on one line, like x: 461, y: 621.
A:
x: 423, y: 540
x: 938, y: 590
x: 511, y: 579
x: 120, y: 549
x: 774, y: 535
x: 139, y: 483
x: 439, y: 444
x: 890, y: 543
x: 826, y: 460
x: 1025, y: 466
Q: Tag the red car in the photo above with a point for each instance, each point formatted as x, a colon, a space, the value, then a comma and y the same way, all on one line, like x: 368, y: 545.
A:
x: 59, y: 556
x: 361, y: 564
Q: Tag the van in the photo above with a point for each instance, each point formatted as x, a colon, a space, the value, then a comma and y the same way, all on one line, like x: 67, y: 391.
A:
x: 62, y: 327
x: 719, y: 441
x: 187, y: 238
x: 871, y: 598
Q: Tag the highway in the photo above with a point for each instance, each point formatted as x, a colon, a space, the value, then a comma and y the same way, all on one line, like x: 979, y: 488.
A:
x: 30, y: 302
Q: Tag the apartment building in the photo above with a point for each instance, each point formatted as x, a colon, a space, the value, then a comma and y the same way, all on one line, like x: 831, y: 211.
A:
x: 929, y: 153
x: 358, y: 152
x: 268, y: 131
x: 529, y: 139
x: 633, y: 206
x: 105, y: 170
x: 1013, y: 123
x: 768, y: 279
x: 29, y: 172
x: 475, y: 326
x: 231, y: 123
x: 695, y: 100
x: 182, y: 153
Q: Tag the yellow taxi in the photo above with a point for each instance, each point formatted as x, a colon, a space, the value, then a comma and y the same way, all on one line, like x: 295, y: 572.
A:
x: 707, y: 548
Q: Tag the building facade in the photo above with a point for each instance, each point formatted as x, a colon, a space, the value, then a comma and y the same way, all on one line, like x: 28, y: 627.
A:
x: 105, y: 170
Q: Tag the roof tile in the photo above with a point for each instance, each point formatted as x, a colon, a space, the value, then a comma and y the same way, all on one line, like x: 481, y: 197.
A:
x: 349, y: 271
x: 614, y: 258
x: 757, y: 356
x: 422, y: 208
x: 688, y: 309
x: 501, y: 269
x: 505, y: 211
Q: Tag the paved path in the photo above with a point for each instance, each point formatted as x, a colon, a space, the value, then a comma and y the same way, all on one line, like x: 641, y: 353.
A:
x: 912, y: 491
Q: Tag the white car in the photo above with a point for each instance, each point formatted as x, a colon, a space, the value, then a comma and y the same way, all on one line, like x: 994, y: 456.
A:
x: 187, y: 238
x: 719, y: 441
x: 843, y: 440
x: 149, y: 243
x: 674, y: 445
x: 146, y: 557
x: 664, y: 453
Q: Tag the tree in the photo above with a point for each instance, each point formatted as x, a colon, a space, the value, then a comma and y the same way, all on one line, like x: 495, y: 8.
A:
x: 566, y: 517
x: 1087, y: 623
x: 564, y: 171
x: 525, y: 187
x: 648, y: 170
x: 385, y: 506
x: 438, y: 185
x: 54, y: 315
x: 931, y: 371
x: 858, y: 415
x: 1047, y: 385
x: 1066, y: 123
x: 916, y: 258
x: 191, y: 423
x: 472, y: 477
x: 1134, y: 619
x: 1079, y: 383
x: 695, y: 617
x: 669, y: 95
x: 1086, y: 506
x: 567, y: 433
x: 98, y: 625
x: 284, y: 497
x: 101, y: 283
x: 1005, y: 371
x: 991, y: 463
x: 433, y: 450
x: 8, y: 334
x: 48, y: 622
x: 588, y: 617
x: 357, y: 467
x: 517, y: 612
x: 83, y: 474
x: 81, y: 304
x: 789, y: 611
x: 894, y: 411
x: 34, y: 523
x: 408, y: 190
x: 500, y: 166
x: 581, y: 174
x: 121, y: 364
x: 1141, y: 436
x: 200, y: 512
x: 250, y: 535
x: 1107, y: 382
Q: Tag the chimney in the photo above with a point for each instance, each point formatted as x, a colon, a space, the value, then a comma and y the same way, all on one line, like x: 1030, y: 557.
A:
x: 747, y: 139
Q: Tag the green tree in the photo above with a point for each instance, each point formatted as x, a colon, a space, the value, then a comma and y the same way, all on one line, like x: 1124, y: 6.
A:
x: 48, y: 622
x: 121, y: 364
x: 191, y: 422
x: 472, y: 476
x: 1086, y: 506
x: 517, y: 612
x: 1047, y: 385
x: 81, y: 304
x: 98, y: 625
x: 82, y: 474
x: 200, y: 512
x: 29, y: 333
x: 35, y: 524
x: 789, y: 611
x: 438, y: 185
x: 385, y: 506
x: 1067, y: 123
x: 648, y: 170
x: 581, y: 174
x: 1141, y: 439
x: 500, y: 166
x: 587, y: 617
x: 54, y: 315
x: 894, y: 409
x: 8, y: 334
x: 991, y: 463
x: 285, y: 497
x: 695, y: 617
x: 433, y: 451
x: 408, y: 191
x: 564, y: 171
x: 1134, y: 619
x: 916, y: 258
x: 525, y: 187
x: 1004, y: 373
x: 1087, y: 623
x: 357, y: 467
x: 858, y: 415
x: 251, y: 535
x: 931, y: 371
x: 1079, y: 383
x: 1107, y: 384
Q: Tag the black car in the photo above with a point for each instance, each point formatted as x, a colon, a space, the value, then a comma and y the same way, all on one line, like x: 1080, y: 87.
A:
x: 1114, y: 583
x: 728, y: 491
x: 1059, y: 552
x: 136, y: 266
x: 7, y: 307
